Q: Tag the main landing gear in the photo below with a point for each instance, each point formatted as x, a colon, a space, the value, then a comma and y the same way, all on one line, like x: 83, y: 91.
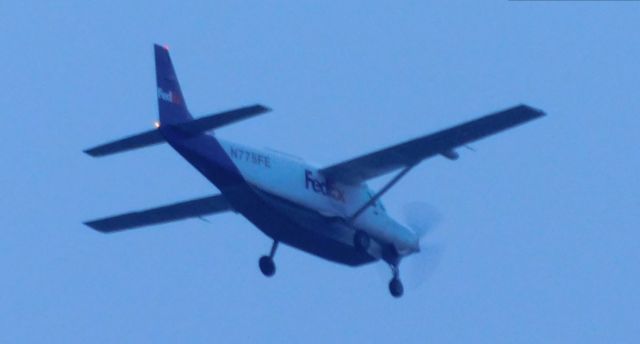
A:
x: 267, y: 266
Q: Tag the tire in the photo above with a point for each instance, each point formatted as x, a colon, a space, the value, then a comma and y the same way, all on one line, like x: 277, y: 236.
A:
x: 395, y: 287
x: 267, y: 266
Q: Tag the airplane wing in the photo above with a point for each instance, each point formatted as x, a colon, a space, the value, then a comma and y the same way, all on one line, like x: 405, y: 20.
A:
x: 173, y: 212
x: 441, y: 143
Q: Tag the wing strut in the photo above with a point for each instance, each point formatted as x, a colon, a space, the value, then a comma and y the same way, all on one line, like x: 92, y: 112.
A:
x: 379, y: 194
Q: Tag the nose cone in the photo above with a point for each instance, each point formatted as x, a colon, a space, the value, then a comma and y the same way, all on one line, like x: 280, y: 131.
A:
x: 409, y: 242
x: 415, y: 242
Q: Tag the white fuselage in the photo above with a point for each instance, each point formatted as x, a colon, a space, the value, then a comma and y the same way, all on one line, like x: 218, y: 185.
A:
x: 296, y: 181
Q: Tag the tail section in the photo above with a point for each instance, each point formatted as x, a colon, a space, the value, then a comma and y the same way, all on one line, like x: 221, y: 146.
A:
x: 173, y: 111
x: 171, y: 104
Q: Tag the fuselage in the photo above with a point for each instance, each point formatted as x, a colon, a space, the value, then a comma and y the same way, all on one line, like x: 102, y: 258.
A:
x: 299, y: 182
x: 291, y: 201
x: 329, y: 212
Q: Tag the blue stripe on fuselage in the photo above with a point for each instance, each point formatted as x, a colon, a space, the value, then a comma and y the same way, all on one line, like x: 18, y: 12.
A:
x: 206, y: 154
x: 275, y: 217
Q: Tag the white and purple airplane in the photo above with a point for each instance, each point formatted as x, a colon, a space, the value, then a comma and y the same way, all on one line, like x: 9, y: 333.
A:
x: 329, y: 212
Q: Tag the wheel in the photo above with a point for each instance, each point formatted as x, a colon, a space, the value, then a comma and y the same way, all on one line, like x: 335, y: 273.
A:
x: 361, y: 241
x: 395, y: 287
x: 267, y: 266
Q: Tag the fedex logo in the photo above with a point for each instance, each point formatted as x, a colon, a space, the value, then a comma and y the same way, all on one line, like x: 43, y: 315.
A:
x: 324, y: 188
x: 168, y: 96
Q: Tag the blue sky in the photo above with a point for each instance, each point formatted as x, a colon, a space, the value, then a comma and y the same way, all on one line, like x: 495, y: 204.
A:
x: 540, y: 229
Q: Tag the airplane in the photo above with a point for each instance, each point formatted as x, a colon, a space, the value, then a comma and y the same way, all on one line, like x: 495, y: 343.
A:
x: 329, y: 212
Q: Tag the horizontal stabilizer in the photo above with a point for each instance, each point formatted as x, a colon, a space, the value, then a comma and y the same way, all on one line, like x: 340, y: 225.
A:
x: 173, y: 212
x: 144, y: 139
x: 196, y: 126
x: 207, y: 123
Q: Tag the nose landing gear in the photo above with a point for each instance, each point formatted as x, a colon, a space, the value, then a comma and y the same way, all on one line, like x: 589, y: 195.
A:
x: 266, y: 264
x: 395, y: 285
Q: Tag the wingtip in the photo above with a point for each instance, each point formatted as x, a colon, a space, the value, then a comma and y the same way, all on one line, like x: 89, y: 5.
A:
x: 94, y: 225
x: 90, y: 152
x: 264, y: 108
x: 89, y: 224
x: 537, y: 111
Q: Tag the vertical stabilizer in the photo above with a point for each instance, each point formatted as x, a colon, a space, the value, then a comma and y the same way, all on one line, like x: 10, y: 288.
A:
x: 171, y: 103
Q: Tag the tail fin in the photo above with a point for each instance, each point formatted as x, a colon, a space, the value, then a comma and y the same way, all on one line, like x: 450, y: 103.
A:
x: 173, y: 111
x: 171, y: 104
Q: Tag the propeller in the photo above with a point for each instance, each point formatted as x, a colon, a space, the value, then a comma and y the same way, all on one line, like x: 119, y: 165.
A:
x: 422, y: 218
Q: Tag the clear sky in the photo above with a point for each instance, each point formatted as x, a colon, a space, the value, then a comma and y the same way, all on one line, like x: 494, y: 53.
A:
x: 540, y: 224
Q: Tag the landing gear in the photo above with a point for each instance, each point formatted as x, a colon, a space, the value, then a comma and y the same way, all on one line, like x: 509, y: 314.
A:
x: 395, y: 285
x: 361, y: 241
x: 267, y: 266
